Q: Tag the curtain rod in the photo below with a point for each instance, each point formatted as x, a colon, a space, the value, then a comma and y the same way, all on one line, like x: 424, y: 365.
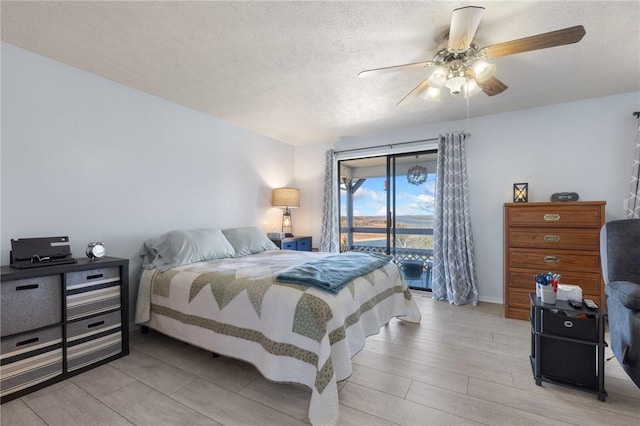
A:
x: 637, y: 114
x: 391, y: 145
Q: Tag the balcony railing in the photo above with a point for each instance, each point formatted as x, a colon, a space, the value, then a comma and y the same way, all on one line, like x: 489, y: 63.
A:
x: 408, y: 259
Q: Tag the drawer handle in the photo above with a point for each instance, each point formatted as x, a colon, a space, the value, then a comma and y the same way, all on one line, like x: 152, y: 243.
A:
x: 27, y: 287
x: 26, y: 342
x: 552, y: 238
x: 552, y: 259
x: 95, y: 324
x: 551, y: 216
x: 96, y: 276
x: 568, y: 324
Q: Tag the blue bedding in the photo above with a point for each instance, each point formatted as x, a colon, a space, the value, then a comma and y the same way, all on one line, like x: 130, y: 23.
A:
x: 334, y: 272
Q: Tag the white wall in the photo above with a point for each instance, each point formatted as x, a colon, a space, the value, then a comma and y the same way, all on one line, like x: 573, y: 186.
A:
x: 92, y: 159
x: 86, y: 157
x: 583, y: 146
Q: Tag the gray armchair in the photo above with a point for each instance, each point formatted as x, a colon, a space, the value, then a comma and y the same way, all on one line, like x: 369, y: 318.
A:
x: 620, y: 254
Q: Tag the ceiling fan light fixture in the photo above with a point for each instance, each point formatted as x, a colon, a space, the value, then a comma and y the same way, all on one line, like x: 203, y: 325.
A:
x: 432, y: 94
x: 454, y: 84
x: 438, y: 77
x: 462, y: 60
x: 483, y: 70
x: 471, y: 88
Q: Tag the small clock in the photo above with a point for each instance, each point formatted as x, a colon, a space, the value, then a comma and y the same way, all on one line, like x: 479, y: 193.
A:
x: 95, y: 250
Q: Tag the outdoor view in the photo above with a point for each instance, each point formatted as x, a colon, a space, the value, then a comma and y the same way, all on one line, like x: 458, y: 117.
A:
x: 414, y: 209
x: 365, y: 188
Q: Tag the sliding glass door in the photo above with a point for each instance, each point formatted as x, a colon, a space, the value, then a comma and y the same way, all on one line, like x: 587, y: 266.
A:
x: 387, y: 205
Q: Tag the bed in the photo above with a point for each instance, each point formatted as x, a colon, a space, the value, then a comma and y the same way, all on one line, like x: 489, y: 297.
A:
x: 232, y: 304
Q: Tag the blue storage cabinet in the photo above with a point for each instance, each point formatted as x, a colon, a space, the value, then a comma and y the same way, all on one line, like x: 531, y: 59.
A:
x: 294, y: 243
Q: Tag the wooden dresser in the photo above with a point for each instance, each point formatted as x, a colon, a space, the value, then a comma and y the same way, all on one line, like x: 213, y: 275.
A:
x: 563, y: 238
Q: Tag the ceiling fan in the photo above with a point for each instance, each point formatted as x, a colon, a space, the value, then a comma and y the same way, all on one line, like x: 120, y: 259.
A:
x: 462, y: 66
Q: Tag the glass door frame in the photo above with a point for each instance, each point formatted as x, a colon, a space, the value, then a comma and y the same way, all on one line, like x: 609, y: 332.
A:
x: 391, y: 189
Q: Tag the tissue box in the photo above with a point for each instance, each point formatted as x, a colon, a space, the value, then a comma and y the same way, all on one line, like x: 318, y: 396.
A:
x: 276, y: 235
x: 569, y: 292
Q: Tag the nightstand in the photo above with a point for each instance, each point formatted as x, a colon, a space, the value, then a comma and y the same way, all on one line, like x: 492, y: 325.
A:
x: 294, y: 243
x: 567, y: 345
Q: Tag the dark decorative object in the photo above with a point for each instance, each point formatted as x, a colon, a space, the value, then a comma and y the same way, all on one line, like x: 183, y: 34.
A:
x: 37, y: 252
x: 417, y: 175
x: 565, y: 196
x: 520, y: 192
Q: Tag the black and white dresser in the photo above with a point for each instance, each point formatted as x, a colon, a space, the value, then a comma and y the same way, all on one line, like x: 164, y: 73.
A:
x: 60, y: 320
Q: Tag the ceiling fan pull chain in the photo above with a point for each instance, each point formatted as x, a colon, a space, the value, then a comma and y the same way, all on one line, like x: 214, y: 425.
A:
x: 468, y: 131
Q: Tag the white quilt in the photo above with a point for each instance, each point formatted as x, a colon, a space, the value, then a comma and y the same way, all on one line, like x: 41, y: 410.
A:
x: 290, y: 332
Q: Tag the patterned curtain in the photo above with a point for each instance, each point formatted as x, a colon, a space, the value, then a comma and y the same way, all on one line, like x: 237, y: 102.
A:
x: 330, y: 236
x: 633, y: 201
x: 454, y: 273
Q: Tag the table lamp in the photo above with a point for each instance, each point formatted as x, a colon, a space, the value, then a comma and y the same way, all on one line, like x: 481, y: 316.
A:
x: 286, y: 198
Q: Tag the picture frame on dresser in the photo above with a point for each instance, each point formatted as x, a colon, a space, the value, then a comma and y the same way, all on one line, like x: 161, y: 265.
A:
x: 61, y: 320
x: 560, y: 237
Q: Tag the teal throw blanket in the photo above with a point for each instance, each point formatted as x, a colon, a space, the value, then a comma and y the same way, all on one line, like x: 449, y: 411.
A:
x: 334, y: 272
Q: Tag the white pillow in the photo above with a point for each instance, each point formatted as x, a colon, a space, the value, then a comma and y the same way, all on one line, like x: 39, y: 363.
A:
x: 248, y: 240
x: 183, y: 247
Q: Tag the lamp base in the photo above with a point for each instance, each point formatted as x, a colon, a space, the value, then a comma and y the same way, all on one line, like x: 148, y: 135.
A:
x: 288, y: 235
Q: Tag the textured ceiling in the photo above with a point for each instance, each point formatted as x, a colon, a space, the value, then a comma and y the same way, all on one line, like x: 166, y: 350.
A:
x: 287, y: 70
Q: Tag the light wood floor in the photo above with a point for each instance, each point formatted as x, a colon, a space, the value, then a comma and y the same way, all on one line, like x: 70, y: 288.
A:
x: 461, y: 365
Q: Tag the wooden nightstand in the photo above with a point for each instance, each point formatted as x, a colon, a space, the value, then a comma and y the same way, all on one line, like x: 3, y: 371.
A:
x: 294, y: 243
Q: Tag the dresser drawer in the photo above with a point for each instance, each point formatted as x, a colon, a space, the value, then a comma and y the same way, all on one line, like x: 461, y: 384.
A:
x: 85, y: 303
x: 30, y: 358
x: 523, y: 278
x: 519, y: 297
x: 555, y: 260
x: 92, y: 277
x: 290, y: 245
x: 95, y: 325
x: 93, y: 339
x: 551, y: 216
x: 558, y: 324
x: 517, y: 313
x: 304, y: 244
x: 576, y: 239
x: 93, y: 291
x: 30, y: 303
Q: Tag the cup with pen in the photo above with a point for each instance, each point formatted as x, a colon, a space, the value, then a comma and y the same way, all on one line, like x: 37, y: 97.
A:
x: 547, y: 286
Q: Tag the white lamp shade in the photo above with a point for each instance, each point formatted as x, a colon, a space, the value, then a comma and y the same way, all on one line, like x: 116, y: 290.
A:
x: 432, y: 94
x: 438, y: 77
x: 455, y: 84
x: 285, y: 197
x: 471, y: 88
x: 483, y: 70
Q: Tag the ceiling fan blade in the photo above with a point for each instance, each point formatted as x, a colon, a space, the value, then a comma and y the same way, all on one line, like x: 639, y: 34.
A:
x: 492, y: 86
x: 419, y: 90
x: 464, y: 24
x: 385, y: 70
x: 541, y: 41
